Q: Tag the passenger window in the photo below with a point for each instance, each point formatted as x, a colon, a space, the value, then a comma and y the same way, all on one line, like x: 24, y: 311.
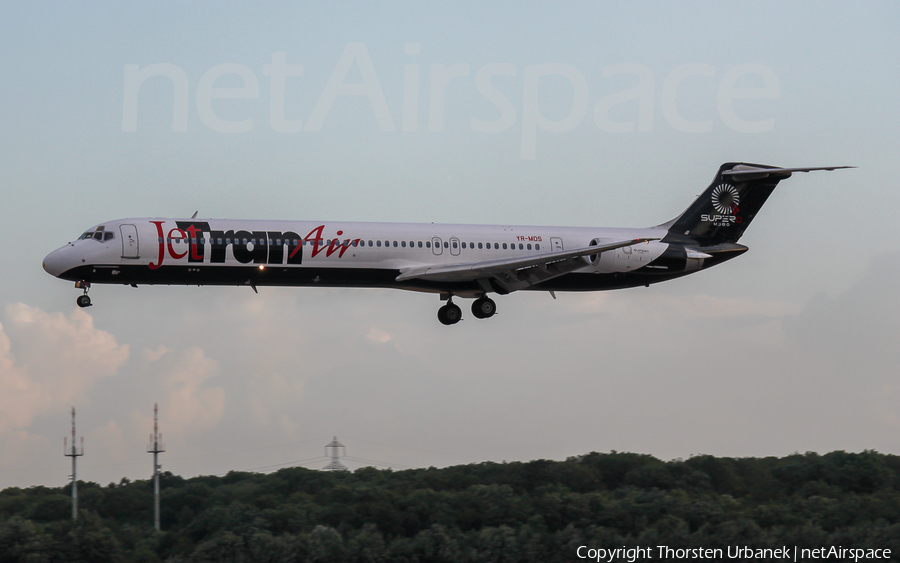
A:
x: 504, y: 246
x: 403, y: 244
x: 496, y: 246
x: 378, y: 243
x: 395, y: 244
x: 427, y: 244
x: 420, y: 244
x: 537, y: 247
x: 479, y: 246
x: 529, y: 246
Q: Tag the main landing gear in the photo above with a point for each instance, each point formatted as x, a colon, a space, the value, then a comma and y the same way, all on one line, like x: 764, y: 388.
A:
x: 83, y: 300
x: 449, y: 314
x: 482, y: 308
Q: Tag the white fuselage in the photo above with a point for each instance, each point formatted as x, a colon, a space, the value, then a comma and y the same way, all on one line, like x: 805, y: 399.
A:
x: 192, y: 251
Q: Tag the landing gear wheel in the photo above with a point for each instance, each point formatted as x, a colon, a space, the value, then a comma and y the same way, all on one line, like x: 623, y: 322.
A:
x: 449, y: 314
x: 484, y: 307
x: 83, y: 300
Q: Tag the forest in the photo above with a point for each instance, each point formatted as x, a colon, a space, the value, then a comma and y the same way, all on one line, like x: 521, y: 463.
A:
x: 540, y: 511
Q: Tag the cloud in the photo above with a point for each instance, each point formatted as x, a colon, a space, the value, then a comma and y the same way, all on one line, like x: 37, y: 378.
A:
x: 189, y: 405
x: 20, y: 395
x: 49, y: 360
x: 658, y: 305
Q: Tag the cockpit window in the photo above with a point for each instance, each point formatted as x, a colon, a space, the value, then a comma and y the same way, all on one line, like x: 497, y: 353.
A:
x: 99, y: 234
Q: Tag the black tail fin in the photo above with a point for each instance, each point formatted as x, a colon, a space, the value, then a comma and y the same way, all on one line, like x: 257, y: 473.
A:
x: 725, y: 209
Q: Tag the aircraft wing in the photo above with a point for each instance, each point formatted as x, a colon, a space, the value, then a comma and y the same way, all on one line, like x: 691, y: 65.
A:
x: 515, y: 273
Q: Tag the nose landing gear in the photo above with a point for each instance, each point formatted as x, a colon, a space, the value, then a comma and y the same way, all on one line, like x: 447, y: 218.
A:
x: 83, y: 300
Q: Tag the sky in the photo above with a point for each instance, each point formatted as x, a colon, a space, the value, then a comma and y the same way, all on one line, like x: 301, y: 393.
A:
x: 612, y: 114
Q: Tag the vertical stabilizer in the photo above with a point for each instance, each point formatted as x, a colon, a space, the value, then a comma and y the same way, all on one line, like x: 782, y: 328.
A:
x: 726, y: 208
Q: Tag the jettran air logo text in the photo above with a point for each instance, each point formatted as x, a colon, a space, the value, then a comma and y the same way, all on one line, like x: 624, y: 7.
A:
x: 725, y: 199
x: 196, y: 241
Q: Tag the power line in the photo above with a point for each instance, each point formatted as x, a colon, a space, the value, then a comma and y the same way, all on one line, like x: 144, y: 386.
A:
x: 413, y: 449
x: 363, y: 460
x: 247, y: 450
x: 298, y: 462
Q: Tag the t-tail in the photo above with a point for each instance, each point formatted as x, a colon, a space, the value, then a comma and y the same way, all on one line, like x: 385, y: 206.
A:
x: 722, y: 212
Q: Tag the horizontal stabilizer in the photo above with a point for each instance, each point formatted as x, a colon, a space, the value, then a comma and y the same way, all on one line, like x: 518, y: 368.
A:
x: 751, y: 172
x: 725, y: 209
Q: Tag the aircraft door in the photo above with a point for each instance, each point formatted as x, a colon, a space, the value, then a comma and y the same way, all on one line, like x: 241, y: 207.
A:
x: 556, y: 244
x: 129, y: 241
x: 454, y: 246
x: 437, y: 246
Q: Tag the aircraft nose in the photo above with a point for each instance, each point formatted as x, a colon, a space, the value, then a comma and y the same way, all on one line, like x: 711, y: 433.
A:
x: 54, y: 263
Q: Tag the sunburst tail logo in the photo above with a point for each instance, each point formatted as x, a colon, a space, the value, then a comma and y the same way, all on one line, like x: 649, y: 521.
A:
x: 725, y: 198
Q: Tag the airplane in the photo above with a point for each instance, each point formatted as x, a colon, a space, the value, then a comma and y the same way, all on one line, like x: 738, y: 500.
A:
x: 451, y: 260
